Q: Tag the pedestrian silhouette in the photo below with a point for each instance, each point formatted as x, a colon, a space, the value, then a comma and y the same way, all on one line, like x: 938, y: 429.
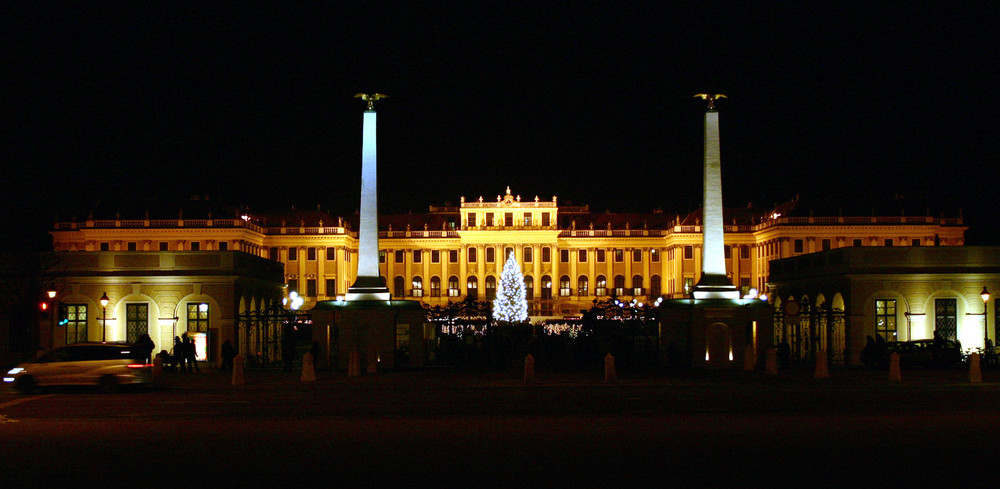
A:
x: 228, y: 353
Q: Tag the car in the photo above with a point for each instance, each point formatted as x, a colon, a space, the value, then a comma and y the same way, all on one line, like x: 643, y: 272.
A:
x: 105, y: 365
x: 927, y: 353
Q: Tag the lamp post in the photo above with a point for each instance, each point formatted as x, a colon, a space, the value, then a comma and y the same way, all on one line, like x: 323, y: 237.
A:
x: 104, y: 314
x: 985, y: 294
x: 52, y: 320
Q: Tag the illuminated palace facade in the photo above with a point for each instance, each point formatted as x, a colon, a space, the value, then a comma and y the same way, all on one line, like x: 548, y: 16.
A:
x: 569, y: 255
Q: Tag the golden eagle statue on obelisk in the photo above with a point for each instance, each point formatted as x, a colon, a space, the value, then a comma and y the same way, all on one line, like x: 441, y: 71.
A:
x: 371, y: 98
x: 711, y: 98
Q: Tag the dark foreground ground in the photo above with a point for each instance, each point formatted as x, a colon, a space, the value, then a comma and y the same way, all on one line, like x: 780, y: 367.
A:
x: 445, y: 428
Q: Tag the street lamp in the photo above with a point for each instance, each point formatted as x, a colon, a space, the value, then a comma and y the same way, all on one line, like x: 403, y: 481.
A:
x: 104, y: 307
x: 985, y: 294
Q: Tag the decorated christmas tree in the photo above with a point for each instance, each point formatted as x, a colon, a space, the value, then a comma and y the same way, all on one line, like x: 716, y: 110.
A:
x: 510, y: 305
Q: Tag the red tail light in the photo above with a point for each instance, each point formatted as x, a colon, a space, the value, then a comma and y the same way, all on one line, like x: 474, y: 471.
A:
x: 139, y: 365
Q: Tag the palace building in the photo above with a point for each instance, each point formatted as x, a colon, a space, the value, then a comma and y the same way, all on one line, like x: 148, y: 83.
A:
x: 569, y: 255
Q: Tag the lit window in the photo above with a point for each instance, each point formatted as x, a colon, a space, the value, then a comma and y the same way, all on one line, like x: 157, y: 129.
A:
x: 197, y: 317
x: 885, y: 319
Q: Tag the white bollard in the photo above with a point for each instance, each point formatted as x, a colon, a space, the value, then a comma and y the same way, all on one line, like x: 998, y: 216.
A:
x: 238, y: 370
x: 308, y: 368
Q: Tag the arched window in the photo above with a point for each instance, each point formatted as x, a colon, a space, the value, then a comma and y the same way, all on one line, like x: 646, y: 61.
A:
x: 472, y: 288
x: 564, y: 289
x: 637, y: 285
x: 546, y: 287
x: 491, y: 288
x: 453, y: 287
x: 398, y: 287
x: 418, y: 287
x: 529, y: 287
x: 619, y: 285
x: 582, y: 286
x: 435, y: 286
x: 601, y: 286
x: 654, y: 286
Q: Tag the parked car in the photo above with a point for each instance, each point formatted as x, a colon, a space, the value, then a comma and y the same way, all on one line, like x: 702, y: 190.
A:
x: 927, y: 353
x: 105, y: 365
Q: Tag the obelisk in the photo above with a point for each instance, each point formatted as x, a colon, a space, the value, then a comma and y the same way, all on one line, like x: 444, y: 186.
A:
x: 369, y: 285
x: 714, y: 283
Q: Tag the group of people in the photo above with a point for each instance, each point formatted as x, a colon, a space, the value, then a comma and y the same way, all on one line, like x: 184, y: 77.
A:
x: 183, y: 358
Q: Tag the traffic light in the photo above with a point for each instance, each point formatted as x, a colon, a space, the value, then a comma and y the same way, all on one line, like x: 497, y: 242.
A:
x: 43, y: 308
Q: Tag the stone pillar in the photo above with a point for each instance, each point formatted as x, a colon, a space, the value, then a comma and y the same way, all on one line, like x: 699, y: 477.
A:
x: 713, y: 284
x: 368, y: 284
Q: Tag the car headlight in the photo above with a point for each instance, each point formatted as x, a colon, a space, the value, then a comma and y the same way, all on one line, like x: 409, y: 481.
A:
x: 15, y: 371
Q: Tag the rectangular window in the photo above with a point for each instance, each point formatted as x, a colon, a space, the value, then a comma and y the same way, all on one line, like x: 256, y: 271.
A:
x: 73, y: 317
x: 745, y: 252
x: 885, y: 319
x: 827, y: 244
x: 563, y: 256
x: 311, y: 253
x: 688, y: 285
x: 453, y: 256
x: 471, y: 219
x: 418, y: 256
x: 164, y: 246
x: 105, y: 246
x: 654, y: 255
x: 382, y: 256
x: 857, y: 242
x: 528, y: 254
x: 489, y: 219
x: 527, y: 218
x: 136, y: 321
x: 293, y: 253
x: 331, y: 254
x: 197, y: 316
x: 402, y: 336
x: 728, y: 252
x: 311, y: 287
x: 508, y: 219
x: 293, y: 285
x: 491, y: 254
x: 946, y: 318
x: 223, y: 245
x: 435, y: 288
x: 581, y: 256
x: 435, y: 256
x: 600, y: 256
x: 546, y: 254
x: 619, y: 255
x: 133, y: 246
x: 195, y: 246
x: 545, y: 219
x: 689, y: 252
x: 636, y: 255
x: 331, y: 287
x: 915, y: 242
x: 888, y: 242
x: 799, y: 246
x: 472, y: 254
x: 272, y: 253
x: 400, y: 256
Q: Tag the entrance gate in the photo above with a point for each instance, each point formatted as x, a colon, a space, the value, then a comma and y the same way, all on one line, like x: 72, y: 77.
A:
x: 265, y: 335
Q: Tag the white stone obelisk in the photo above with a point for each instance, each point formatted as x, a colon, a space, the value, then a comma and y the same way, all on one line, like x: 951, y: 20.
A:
x: 369, y: 284
x: 713, y: 284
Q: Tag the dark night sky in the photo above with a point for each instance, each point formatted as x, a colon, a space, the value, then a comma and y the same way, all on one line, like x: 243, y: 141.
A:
x: 849, y: 103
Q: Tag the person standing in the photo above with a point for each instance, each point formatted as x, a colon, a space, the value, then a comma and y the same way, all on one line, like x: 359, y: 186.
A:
x: 228, y: 353
x: 179, y: 355
x: 189, y: 354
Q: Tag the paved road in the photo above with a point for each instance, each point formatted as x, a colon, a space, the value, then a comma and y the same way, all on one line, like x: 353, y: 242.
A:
x: 451, y: 429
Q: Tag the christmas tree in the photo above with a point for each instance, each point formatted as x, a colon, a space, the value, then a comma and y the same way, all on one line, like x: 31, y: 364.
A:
x: 510, y: 305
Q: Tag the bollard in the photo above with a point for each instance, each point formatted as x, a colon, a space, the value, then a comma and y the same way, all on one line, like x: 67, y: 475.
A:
x: 238, y: 370
x: 894, y: 373
x: 749, y: 358
x: 308, y: 368
x: 772, y: 361
x: 975, y: 372
x: 157, y: 370
x: 354, y: 364
x: 609, y: 369
x: 822, y: 365
x: 529, y: 369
